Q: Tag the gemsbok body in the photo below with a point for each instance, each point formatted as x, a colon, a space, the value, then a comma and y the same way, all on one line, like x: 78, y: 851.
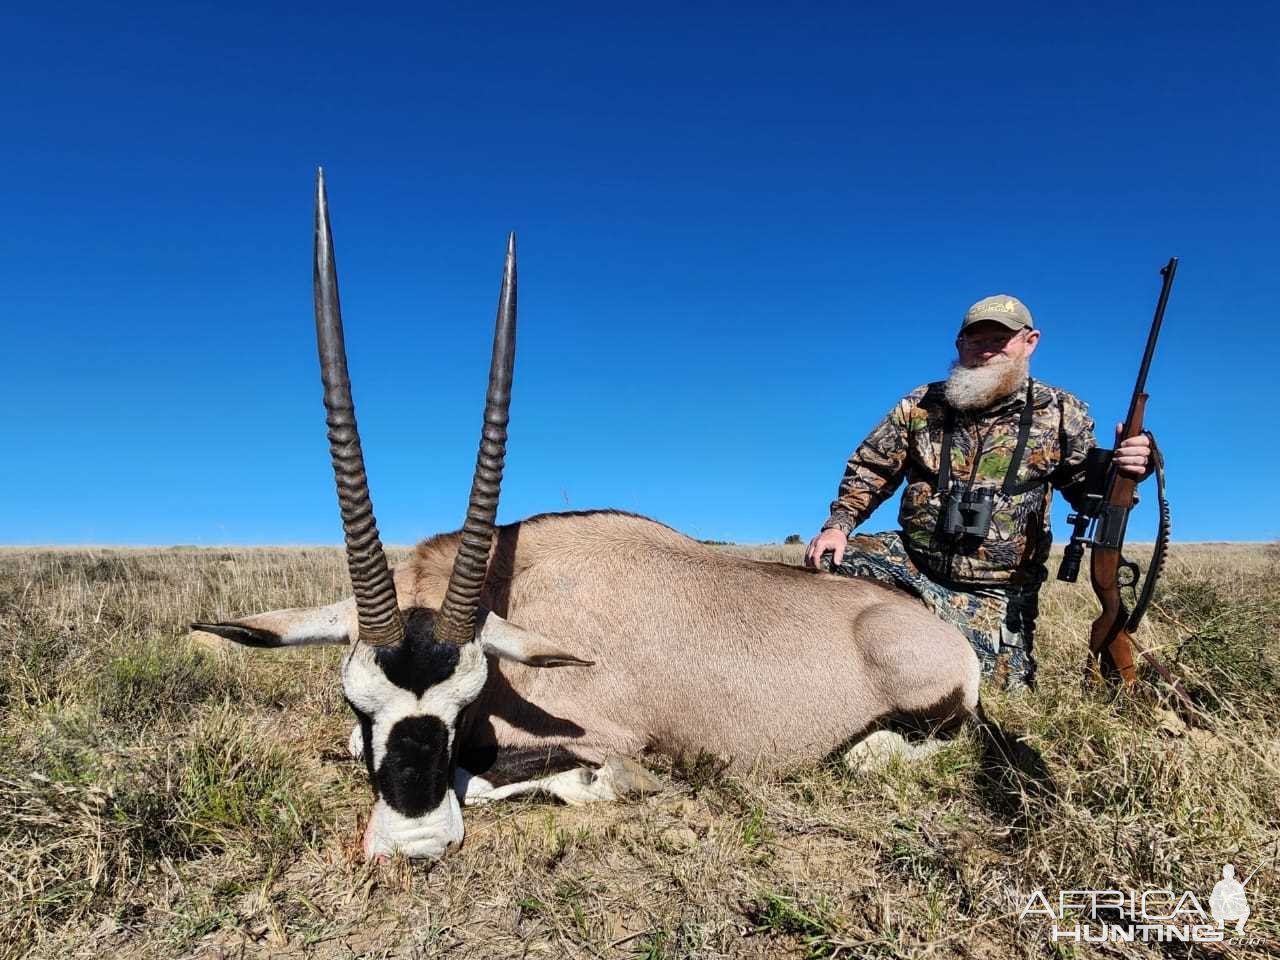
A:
x: 542, y: 655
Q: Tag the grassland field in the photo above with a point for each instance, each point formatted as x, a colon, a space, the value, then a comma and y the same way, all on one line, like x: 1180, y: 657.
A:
x: 162, y: 798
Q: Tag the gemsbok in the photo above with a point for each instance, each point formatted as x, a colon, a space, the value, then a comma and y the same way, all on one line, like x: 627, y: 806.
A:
x: 543, y: 655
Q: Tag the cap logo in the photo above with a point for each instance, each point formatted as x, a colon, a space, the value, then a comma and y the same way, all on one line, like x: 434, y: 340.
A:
x: 1004, y: 309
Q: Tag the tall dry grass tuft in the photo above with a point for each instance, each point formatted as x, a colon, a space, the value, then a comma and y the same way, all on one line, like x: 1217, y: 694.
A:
x: 162, y: 799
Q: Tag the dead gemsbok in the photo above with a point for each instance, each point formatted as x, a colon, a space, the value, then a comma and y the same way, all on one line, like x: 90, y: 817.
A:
x: 664, y: 644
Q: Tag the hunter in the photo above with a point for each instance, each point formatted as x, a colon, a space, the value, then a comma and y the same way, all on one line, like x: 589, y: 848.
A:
x: 982, y: 453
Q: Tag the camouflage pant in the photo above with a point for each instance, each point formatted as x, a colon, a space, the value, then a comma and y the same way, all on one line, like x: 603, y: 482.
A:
x: 999, y: 621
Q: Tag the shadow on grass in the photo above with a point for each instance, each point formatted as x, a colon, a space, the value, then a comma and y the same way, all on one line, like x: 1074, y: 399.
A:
x: 1013, y: 780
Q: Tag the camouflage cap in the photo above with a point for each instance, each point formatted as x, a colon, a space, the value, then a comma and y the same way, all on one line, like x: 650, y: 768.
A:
x: 1005, y: 310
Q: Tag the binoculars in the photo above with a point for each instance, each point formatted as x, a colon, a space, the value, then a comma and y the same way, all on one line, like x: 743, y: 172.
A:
x: 967, y: 512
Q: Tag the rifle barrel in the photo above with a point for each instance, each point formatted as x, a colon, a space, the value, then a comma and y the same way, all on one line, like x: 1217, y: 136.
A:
x: 1167, y: 271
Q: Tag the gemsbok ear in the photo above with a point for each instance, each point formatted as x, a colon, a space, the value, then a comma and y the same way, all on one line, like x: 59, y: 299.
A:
x: 506, y: 641
x: 297, y: 627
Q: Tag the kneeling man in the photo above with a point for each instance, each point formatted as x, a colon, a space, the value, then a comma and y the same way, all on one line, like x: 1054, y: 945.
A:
x: 982, y: 453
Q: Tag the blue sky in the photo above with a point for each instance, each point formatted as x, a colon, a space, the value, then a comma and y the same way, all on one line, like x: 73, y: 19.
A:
x: 744, y: 232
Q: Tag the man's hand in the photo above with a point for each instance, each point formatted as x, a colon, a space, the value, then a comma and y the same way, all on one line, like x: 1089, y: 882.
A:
x: 833, y: 539
x: 1133, y: 456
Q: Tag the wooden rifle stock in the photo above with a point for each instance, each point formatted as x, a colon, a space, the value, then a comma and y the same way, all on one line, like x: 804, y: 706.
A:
x: 1109, y: 640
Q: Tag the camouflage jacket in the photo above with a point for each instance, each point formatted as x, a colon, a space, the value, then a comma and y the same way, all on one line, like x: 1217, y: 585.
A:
x: 908, y: 443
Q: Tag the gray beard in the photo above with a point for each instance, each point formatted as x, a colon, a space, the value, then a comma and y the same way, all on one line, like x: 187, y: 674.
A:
x: 976, y: 388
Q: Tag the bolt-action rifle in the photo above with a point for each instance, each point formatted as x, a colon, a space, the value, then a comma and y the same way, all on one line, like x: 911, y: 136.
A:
x: 1100, y: 524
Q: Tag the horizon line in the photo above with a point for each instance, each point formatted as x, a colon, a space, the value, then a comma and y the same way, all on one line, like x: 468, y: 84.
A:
x: 410, y: 546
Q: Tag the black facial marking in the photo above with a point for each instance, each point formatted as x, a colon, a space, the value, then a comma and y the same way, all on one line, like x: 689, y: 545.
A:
x: 418, y: 662
x: 414, y: 774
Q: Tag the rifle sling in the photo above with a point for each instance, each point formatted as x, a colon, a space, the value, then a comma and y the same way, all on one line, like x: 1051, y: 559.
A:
x: 1162, y: 542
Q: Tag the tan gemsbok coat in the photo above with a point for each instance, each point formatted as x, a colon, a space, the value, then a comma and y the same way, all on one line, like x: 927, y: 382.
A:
x: 665, y: 644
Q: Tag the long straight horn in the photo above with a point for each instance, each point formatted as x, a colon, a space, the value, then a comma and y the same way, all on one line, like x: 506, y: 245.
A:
x: 457, y: 621
x: 377, y: 613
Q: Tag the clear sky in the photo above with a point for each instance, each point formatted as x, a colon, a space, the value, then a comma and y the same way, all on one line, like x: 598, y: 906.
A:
x: 744, y: 232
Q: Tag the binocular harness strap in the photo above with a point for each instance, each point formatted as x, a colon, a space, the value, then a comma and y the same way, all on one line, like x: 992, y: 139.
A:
x: 1010, y: 484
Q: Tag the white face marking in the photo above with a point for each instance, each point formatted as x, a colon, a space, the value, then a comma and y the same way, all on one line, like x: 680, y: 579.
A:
x: 386, y: 704
x: 428, y: 837
x: 369, y: 690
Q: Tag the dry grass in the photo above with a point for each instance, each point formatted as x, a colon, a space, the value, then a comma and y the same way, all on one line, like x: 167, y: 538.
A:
x: 160, y: 800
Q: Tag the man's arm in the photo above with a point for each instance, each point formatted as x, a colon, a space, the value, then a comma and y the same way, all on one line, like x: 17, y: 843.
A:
x: 1132, y: 457
x: 873, y: 472
x: 875, y: 468
x: 1075, y: 440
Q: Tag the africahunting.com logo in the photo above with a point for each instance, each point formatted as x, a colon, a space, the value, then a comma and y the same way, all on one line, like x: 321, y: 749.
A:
x: 1144, y: 916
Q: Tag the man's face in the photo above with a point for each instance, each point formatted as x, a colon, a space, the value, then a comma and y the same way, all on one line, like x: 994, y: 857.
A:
x: 986, y: 339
